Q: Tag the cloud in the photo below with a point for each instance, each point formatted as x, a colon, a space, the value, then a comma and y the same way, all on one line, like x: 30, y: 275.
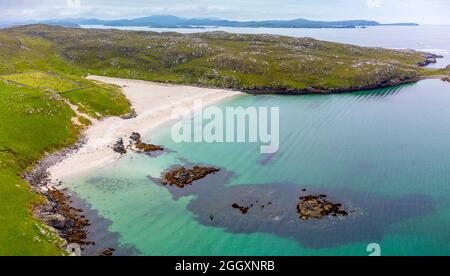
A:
x: 431, y: 11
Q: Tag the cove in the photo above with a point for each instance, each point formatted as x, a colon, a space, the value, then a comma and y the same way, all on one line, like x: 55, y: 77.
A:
x: 382, y: 153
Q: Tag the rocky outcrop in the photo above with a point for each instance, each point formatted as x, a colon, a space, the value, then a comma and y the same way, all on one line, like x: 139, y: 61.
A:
x: 181, y: 176
x: 135, y: 137
x: 136, y: 145
x: 131, y: 115
x: 429, y: 59
x: 69, y: 221
x: 244, y: 209
x: 143, y: 147
x: 318, y: 207
x: 119, y: 147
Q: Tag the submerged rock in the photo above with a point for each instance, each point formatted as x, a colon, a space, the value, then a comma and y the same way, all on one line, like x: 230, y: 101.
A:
x: 108, y: 252
x: 244, y: 209
x: 317, y: 207
x: 182, y: 176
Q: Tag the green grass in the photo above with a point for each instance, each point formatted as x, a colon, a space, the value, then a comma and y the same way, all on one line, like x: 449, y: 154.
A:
x: 229, y: 60
x: 42, y: 80
x: 94, y: 100
x: 31, y: 123
x: 225, y: 60
x: 35, y: 120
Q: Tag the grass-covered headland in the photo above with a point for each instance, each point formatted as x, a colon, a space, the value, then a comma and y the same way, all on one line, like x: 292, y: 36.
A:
x: 45, y: 100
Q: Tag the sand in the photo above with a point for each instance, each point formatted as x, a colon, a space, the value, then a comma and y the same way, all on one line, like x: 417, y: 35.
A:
x: 154, y: 104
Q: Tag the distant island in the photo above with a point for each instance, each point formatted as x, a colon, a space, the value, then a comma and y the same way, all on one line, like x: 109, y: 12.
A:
x: 168, y: 21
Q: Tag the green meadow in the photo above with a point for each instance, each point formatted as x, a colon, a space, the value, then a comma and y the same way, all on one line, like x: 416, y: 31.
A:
x: 35, y: 119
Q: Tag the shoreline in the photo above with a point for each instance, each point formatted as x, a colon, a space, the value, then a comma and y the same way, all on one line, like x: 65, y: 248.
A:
x: 153, y: 110
x: 151, y: 107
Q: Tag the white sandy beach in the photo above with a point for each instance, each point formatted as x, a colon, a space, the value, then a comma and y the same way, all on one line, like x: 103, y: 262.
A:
x: 153, y: 102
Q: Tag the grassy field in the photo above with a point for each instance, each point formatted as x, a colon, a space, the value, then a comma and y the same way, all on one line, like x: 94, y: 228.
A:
x: 42, y: 68
x: 32, y: 122
x: 42, y: 80
x: 246, y: 62
x: 35, y: 119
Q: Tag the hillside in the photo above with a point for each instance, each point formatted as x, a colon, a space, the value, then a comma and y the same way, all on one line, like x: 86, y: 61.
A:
x: 168, y: 21
x: 256, y: 63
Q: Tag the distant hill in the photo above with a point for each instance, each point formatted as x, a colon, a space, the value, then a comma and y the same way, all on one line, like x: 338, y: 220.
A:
x: 168, y: 21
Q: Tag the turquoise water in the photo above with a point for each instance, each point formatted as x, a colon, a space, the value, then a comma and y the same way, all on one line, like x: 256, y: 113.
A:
x: 384, y: 154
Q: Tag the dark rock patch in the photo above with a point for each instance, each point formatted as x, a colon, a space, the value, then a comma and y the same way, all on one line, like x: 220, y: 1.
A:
x: 429, y: 59
x: 317, y: 207
x: 130, y: 115
x: 243, y: 209
x: 119, y: 147
x: 181, y: 176
x: 367, y: 221
x: 141, y: 147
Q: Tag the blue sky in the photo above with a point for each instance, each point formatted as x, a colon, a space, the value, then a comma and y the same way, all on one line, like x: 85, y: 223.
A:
x: 387, y: 11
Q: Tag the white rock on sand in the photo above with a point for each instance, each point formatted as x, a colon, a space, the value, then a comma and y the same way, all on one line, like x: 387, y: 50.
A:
x: 153, y: 103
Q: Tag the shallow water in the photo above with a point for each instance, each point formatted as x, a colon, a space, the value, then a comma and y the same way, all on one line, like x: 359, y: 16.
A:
x: 383, y: 154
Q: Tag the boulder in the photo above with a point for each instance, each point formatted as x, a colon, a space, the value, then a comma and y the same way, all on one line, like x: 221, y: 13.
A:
x: 119, y: 147
x: 56, y: 221
x: 317, y: 207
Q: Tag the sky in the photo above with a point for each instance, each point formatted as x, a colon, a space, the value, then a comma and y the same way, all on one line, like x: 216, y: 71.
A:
x: 385, y: 11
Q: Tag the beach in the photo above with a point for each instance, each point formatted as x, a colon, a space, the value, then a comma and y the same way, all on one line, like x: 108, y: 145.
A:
x: 154, y: 104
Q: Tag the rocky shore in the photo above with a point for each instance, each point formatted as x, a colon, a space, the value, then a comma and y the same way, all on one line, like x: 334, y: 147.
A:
x: 136, y: 145
x: 326, y: 91
x: 56, y: 211
x: 429, y: 59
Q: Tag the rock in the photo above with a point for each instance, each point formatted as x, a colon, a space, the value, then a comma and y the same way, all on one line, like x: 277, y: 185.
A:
x: 108, y: 252
x: 244, y: 210
x: 143, y: 147
x: 446, y: 79
x: 317, y: 207
x: 56, y: 220
x: 130, y: 115
x: 135, y: 137
x: 119, y: 147
x: 429, y: 59
x: 182, y: 177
